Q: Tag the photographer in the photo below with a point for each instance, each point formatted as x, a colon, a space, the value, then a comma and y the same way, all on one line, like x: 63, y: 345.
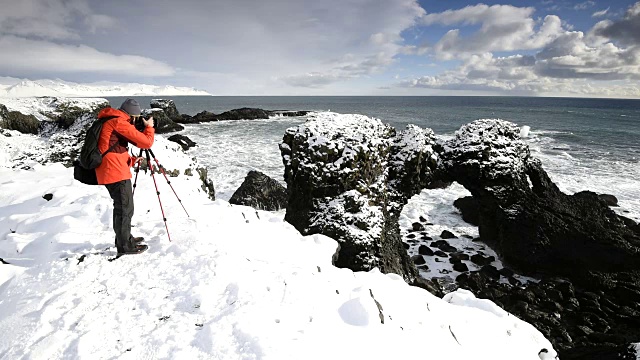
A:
x: 114, y: 172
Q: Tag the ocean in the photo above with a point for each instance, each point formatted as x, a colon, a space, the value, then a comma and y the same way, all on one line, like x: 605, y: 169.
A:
x: 584, y: 144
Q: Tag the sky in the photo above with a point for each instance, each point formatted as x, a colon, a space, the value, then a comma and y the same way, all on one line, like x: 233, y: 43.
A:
x: 331, y: 47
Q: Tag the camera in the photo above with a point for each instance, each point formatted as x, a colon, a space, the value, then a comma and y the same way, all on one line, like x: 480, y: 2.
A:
x: 139, y: 123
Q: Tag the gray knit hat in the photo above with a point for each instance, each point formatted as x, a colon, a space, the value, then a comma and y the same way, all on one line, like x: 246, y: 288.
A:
x: 131, y: 107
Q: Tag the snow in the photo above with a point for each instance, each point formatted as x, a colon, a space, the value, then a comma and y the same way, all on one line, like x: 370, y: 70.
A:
x: 493, y: 146
x: 12, y: 87
x: 40, y: 106
x: 235, y: 283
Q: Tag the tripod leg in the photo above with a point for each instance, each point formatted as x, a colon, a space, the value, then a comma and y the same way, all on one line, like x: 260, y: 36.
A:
x: 160, y: 201
x: 137, y: 172
x: 166, y: 178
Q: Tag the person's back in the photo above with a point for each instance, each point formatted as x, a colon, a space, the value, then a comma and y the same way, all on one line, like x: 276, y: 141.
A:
x: 114, y: 171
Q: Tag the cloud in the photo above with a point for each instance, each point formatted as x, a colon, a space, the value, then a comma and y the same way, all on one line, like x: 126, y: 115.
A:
x: 50, y: 19
x: 625, y: 30
x: 502, y: 28
x: 601, y: 13
x: 292, y: 43
x: 566, y: 62
x: 22, y: 55
x: 526, y: 75
x: 584, y: 5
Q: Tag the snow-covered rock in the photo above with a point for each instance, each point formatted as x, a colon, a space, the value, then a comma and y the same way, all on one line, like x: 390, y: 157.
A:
x: 168, y: 106
x: 412, y: 164
x: 337, y: 171
x: 487, y: 154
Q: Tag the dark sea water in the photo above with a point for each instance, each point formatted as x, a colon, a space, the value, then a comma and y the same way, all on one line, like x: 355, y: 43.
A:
x: 584, y: 144
x: 612, y: 125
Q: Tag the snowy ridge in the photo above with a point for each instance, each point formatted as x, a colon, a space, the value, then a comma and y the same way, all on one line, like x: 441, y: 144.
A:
x: 235, y: 283
x: 11, y: 87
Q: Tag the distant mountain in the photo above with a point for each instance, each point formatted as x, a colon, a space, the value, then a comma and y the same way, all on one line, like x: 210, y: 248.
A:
x: 12, y: 87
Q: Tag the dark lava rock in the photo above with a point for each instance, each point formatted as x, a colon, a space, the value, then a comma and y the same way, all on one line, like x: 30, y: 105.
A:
x: 163, y: 124
x: 422, y: 219
x: 207, y: 184
x: 481, y: 260
x: 461, y: 267
x: 610, y: 200
x: 203, y: 116
x: 417, y: 227
x: 169, y: 108
x: 446, y: 234
x: 429, y: 285
x: 418, y: 259
x: 469, y: 209
x: 183, y: 141
x: 47, y: 197
x: 14, y: 120
x: 243, y: 114
x: 260, y: 192
x: 425, y: 250
x: 406, y: 246
x: 459, y: 256
x: 506, y: 272
x: 490, y: 271
x: 440, y: 253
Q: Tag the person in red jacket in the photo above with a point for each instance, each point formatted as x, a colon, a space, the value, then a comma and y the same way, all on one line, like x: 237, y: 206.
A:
x: 115, y: 170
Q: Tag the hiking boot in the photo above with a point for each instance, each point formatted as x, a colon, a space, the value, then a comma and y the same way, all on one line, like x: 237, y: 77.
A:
x: 136, y: 240
x: 137, y: 249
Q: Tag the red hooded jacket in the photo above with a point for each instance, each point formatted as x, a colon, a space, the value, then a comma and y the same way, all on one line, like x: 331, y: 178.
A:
x: 116, y: 163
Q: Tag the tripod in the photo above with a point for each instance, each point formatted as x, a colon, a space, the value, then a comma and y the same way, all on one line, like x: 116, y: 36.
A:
x: 148, y: 154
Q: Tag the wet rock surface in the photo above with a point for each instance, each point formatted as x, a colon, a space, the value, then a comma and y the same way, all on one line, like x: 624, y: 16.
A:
x: 163, y: 124
x: 260, y: 192
x: 183, y: 141
x: 236, y: 114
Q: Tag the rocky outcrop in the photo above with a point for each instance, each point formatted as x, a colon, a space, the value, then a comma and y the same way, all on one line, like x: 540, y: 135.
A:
x: 348, y: 177
x: 528, y: 220
x: 337, y: 171
x: 14, y: 120
x: 237, y: 114
x: 163, y: 123
x: 412, y: 165
x: 243, y: 114
x: 469, y: 209
x: 183, y: 141
x: 207, y: 184
x: 203, y: 116
x: 540, y: 231
x: 260, y: 192
x: 168, y: 107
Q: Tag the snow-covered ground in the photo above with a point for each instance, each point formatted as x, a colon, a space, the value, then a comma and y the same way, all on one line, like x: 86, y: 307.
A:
x: 235, y: 283
x: 13, y: 87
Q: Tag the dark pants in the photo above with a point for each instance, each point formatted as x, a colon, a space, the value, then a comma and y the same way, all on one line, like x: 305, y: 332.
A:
x: 122, y: 212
